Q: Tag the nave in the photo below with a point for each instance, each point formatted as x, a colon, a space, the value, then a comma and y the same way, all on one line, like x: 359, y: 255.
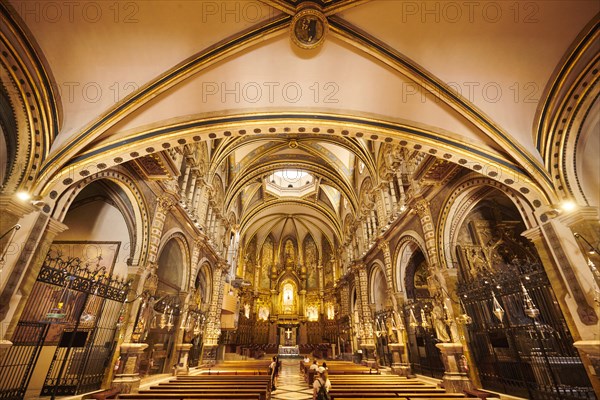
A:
x: 386, y: 185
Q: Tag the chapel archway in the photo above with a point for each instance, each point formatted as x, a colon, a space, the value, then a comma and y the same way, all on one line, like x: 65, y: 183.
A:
x: 76, y: 304
x: 167, y: 306
x: 517, y: 325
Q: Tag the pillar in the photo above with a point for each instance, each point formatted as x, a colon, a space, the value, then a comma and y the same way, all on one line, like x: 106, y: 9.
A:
x: 367, y: 340
x: 402, y: 366
x: 455, y: 376
x: 127, y: 372
x: 197, y: 194
x: 452, y: 352
x: 163, y: 206
x: 145, y: 280
x: 184, y: 182
x: 192, y: 190
x: 183, y: 350
x: 213, y: 322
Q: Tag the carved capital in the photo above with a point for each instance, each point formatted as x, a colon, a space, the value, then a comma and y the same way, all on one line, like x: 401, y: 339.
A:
x: 165, y: 203
x: 384, y: 246
x: 358, y: 267
x: 151, y: 282
x: 422, y: 207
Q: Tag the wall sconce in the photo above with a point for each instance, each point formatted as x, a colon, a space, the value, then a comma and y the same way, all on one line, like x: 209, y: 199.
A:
x: 14, y: 230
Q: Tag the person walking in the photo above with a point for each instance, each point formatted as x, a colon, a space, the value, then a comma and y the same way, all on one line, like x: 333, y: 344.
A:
x: 322, y: 385
x: 274, y: 371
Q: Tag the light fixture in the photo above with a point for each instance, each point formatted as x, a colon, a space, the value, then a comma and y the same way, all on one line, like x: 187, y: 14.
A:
x: 424, y: 322
x: 567, y: 205
x: 530, y: 309
x: 14, y: 230
x: 24, y: 196
x: 497, y: 308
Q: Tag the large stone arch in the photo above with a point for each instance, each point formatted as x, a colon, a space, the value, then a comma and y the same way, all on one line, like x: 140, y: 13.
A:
x: 377, y: 293
x: 463, y: 197
x: 409, y: 243
x: 362, y: 42
x: 206, y: 270
x: 140, y: 235
x: 180, y: 239
x: 172, y: 134
x: 31, y: 109
x: 567, y: 121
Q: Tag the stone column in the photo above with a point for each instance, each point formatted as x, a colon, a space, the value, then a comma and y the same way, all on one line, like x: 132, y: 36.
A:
x: 127, y: 372
x: 402, y: 195
x: 394, y: 198
x: 455, y: 376
x: 401, y: 364
x: 367, y: 340
x: 183, y: 350
x: 192, y: 191
x: 591, y: 350
x: 384, y: 246
x: 208, y: 219
x: 437, y: 281
x: 383, y: 209
x: 197, y: 195
x: 374, y: 229
x: 213, y: 322
x: 163, y: 206
x: 184, y: 182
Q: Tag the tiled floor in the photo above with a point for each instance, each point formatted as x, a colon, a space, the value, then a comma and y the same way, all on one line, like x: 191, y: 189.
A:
x: 290, y: 384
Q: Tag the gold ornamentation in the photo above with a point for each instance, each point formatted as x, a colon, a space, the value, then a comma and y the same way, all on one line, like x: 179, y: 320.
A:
x: 309, y: 28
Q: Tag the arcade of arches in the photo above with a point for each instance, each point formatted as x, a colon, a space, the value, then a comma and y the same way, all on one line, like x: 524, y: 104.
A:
x: 412, y: 184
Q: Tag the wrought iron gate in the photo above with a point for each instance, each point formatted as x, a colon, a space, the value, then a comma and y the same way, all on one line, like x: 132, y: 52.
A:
x: 519, y: 339
x: 425, y: 358
x: 76, y: 308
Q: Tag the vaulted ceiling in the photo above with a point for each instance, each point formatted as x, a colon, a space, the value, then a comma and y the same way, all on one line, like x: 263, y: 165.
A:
x: 446, y: 73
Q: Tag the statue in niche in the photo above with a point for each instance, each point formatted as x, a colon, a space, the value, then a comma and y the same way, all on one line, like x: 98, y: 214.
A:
x: 390, y: 331
x: 476, y: 259
x: 310, y: 259
x: 421, y: 275
x: 249, y: 265
x: 441, y: 331
x: 311, y: 279
x: 289, y: 258
x: 267, y: 262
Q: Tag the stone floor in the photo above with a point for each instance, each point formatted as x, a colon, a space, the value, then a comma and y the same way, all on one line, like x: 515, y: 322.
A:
x: 291, y: 384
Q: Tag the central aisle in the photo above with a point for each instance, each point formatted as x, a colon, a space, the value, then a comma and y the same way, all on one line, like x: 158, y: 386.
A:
x: 291, y: 385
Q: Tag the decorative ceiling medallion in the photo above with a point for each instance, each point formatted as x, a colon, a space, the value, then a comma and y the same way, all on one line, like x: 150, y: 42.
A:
x: 309, y: 27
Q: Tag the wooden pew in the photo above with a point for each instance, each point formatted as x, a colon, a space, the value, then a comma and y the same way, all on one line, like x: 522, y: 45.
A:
x: 207, y: 392
x: 170, y: 396
x: 222, y: 378
x: 406, y: 396
x: 447, y: 396
x: 239, y: 382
